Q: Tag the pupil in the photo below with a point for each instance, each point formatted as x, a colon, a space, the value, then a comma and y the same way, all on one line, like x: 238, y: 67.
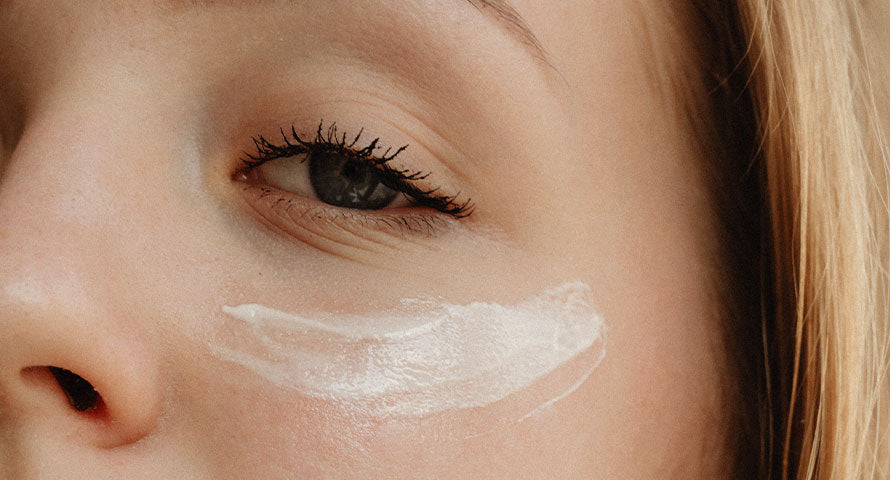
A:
x: 344, y: 182
x: 354, y: 171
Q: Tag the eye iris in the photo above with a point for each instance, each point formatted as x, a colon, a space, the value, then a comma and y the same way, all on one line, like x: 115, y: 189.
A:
x: 344, y: 182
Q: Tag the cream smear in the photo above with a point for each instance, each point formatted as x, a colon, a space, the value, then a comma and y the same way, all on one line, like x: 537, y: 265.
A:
x: 422, y: 357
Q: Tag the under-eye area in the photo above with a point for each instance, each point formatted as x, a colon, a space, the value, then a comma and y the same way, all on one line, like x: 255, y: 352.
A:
x: 424, y: 356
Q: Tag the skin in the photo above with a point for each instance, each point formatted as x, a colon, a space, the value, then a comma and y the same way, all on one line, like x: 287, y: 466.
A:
x: 123, y: 233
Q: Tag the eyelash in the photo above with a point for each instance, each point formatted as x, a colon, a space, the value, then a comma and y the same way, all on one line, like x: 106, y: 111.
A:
x: 334, y: 142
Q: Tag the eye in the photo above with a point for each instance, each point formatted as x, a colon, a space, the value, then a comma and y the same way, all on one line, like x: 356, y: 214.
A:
x: 333, y: 170
x: 333, y: 178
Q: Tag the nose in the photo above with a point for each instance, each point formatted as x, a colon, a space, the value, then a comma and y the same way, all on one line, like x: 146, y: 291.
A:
x: 78, y: 366
x: 72, y: 373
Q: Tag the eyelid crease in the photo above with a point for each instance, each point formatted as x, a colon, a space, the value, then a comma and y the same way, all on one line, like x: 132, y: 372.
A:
x: 386, y: 103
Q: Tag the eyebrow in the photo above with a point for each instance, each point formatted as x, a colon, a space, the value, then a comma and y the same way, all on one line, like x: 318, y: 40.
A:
x: 501, y: 10
x: 504, y: 13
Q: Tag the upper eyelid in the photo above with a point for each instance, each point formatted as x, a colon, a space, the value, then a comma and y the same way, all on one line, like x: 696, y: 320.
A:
x: 267, y: 148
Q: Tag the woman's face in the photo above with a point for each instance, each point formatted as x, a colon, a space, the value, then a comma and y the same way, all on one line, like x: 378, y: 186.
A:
x: 529, y: 297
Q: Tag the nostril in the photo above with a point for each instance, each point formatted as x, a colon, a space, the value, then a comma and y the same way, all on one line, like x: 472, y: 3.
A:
x: 81, y: 394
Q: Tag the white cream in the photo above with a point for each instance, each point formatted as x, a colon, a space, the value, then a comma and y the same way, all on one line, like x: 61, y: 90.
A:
x: 424, y: 356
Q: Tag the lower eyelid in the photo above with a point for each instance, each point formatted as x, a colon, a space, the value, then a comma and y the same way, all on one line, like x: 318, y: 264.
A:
x: 313, y: 221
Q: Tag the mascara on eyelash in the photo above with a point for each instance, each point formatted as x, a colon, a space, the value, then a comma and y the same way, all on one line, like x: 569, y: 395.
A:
x: 333, y: 142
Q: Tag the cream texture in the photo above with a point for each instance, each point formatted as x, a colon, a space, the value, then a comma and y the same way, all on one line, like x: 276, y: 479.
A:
x: 422, y: 357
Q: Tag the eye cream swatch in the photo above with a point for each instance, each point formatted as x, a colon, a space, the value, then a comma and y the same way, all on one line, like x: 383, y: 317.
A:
x: 420, y: 358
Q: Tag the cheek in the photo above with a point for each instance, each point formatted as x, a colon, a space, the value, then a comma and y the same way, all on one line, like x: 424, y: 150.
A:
x: 280, y: 429
x: 660, y: 403
x: 426, y: 356
x: 428, y: 381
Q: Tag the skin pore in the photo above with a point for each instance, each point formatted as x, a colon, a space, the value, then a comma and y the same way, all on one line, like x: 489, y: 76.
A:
x: 125, y: 230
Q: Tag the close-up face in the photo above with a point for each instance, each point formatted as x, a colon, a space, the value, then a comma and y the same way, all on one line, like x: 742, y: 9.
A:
x: 354, y: 239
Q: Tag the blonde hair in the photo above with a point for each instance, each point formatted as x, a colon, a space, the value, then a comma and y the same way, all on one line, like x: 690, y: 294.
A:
x: 812, y: 80
x: 793, y: 135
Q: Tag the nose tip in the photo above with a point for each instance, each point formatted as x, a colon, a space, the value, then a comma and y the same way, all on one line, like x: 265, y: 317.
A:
x: 84, y: 374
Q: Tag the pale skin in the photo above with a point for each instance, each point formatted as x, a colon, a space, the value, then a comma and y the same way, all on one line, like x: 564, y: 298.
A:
x: 123, y: 233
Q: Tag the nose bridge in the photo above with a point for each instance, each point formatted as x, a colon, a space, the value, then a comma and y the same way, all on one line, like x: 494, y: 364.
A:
x: 91, y: 142
x: 53, y: 212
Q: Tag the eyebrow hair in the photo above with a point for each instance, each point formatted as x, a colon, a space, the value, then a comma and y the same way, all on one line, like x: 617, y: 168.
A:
x: 514, y: 23
x: 500, y: 10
